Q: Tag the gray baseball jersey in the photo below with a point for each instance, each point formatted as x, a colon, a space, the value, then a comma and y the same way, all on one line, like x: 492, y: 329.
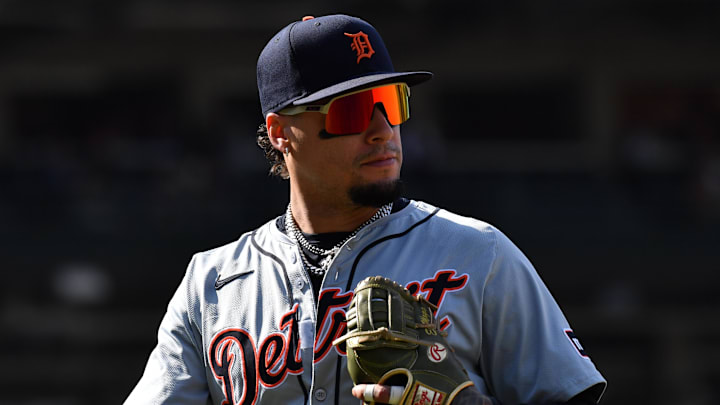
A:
x: 244, y: 326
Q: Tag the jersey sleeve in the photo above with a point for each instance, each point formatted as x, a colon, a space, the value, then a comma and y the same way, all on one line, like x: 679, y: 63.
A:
x: 528, y: 352
x: 175, y: 371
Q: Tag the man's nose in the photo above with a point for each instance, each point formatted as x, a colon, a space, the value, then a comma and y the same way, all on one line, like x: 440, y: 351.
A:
x: 379, y: 129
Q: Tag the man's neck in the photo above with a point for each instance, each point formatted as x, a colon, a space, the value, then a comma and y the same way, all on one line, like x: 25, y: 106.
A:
x: 326, y: 216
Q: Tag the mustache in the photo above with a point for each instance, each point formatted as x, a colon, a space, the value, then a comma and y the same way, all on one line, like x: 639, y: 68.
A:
x: 380, y: 150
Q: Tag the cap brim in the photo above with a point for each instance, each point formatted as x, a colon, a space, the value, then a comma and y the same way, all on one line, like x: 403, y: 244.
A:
x: 411, y: 78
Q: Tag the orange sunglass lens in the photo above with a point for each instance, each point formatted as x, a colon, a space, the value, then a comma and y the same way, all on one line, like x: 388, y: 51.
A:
x: 393, y: 99
x: 352, y: 114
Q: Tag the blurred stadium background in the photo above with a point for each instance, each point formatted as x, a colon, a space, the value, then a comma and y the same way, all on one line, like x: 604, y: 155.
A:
x: 588, y: 131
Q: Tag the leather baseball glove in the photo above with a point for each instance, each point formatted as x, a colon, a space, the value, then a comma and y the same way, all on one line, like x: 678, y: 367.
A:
x: 393, y: 338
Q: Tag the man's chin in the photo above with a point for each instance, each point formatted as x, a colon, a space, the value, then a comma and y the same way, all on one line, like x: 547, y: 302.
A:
x: 376, y: 194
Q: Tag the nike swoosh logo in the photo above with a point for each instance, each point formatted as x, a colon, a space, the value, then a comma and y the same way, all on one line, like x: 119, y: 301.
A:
x: 221, y: 283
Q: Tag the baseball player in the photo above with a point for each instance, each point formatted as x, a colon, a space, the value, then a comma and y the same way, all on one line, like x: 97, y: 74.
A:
x: 253, y: 322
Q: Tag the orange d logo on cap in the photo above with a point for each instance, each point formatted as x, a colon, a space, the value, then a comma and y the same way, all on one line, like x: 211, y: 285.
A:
x: 361, y: 45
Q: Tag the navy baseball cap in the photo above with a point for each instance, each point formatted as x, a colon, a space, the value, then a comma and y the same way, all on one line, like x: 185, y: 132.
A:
x: 322, y: 57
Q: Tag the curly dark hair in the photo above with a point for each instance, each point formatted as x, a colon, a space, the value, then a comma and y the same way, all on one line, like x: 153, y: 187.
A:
x: 274, y: 156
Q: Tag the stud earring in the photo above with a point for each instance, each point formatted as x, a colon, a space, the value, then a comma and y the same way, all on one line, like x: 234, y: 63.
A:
x: 286, y: 150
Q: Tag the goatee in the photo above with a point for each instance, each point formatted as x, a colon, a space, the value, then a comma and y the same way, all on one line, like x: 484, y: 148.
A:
x: 376, y: 194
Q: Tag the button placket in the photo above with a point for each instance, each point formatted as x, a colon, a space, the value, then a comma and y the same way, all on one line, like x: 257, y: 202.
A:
x: 320, y: 394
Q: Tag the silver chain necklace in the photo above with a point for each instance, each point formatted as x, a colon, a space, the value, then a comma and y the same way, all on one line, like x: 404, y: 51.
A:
x: 327, y: 255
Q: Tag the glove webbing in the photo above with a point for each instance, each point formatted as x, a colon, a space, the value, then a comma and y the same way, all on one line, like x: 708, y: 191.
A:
x: 383, y: 298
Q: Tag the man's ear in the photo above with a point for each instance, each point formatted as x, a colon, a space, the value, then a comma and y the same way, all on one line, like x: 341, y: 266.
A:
x: 276, y: 131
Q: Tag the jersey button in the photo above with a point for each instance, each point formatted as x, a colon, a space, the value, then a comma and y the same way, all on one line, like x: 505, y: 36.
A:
x: 320, y: 394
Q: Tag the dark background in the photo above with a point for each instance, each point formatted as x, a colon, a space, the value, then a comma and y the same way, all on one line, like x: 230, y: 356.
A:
x: 588, y: 131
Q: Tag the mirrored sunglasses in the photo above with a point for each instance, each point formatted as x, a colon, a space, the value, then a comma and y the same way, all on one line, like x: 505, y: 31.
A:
x: 351, y: 113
